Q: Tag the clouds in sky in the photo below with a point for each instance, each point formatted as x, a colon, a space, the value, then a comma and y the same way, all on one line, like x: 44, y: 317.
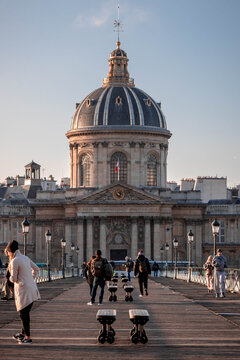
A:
x: 108, y: 12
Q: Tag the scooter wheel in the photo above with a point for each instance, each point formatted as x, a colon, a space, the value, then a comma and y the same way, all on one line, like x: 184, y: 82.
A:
x: 131, y: 298
x: 110, y: 298
x: 134, y: 338
x: 110, y: 338
x: 101, y: 339
x: 112, y: 331
x: 144, y: 339
x: 115, y: 298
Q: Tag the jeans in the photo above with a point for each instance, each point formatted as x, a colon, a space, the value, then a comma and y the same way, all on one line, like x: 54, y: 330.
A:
x: 143, y: 279
x: 219, y: 282
x: 155, y: 273
x: 25, y: 317
x: 129, y: 275
x: 98, y: 282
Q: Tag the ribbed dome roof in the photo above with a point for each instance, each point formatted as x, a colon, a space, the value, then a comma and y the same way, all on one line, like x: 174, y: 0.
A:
x: 118, y: 106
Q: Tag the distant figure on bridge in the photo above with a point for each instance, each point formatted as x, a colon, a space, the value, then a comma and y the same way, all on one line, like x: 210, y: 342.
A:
x: 22, y: 270
x: 83, y: 268
x: 155, y: 268
x: 88, y: 273
x: 208, y: 266
x: 101, y: 270
x: 129, y: 266
x: 219, y: 263
x: 142, y: 269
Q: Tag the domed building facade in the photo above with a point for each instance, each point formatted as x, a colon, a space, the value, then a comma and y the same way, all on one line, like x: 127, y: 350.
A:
x: 118, y: 124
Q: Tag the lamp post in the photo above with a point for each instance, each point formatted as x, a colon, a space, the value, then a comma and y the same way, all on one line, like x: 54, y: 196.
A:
x: 63, y: 245
x: 72, y: 249
x: 48, y: 237
x: 77, y: 251
x: 215, y: 231
x: 161, y: 255
x: 25, y: 230
x: 175, y: 245
x: 190, y: 241
x: 166, y: 248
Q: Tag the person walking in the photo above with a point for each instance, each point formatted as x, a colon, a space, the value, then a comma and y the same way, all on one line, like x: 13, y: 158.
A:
x: 8, y: 286
x: 142, y: 269
x: 88, y: 273
x: 83, y: 268
x: 155, y: 268
x: 129, y: 267
x: 97, y: 270
x: 208, y: 266
x: 219, y: 263
x: 22, y: 270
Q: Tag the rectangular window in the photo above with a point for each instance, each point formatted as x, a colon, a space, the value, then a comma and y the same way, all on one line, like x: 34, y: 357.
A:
x: 221, y: 236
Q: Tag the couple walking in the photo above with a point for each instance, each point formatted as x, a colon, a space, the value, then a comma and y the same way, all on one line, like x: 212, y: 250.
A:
x: 215, y: 273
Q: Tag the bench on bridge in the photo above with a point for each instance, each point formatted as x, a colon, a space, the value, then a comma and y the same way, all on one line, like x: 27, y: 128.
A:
x: 128, y: 289
x: 106, y: 318
x: 112, y: 289
x: 139, y: 318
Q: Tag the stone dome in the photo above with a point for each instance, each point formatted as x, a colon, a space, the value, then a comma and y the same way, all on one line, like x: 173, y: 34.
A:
x: 119, y: 107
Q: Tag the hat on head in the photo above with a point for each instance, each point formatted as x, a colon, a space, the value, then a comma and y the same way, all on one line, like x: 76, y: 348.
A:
x: 140, y: 252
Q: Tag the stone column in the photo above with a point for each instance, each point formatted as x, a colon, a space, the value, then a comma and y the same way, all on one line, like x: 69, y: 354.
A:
x: 38, y: 243
x: 198, y: 239
x: 104, y: 173
x: 89, y: 238
x: 71, y: 160
x: 169, y: 240
x: 80, y: 241
x: 68, y: 238
x: 156, y: 239
x: 142, y: 174
x: 134, y: 238
x: 147, y: 243
x: 103, y: 236
x: 161, y: 165
x: 94, y: 179
x: 165, y: 166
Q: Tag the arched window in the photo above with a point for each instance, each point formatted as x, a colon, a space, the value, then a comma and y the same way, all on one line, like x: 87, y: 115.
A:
x: 152, y: 170
x: 85, y: 170
x: 118, y: 168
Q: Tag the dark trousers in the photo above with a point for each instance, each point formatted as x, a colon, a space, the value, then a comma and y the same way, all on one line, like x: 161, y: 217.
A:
x: 98, y: 282
x: 25, y: 317
x: 143, y: 280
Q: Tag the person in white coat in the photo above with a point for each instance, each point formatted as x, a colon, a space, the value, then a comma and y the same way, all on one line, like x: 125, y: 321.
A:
x: 23, y: 271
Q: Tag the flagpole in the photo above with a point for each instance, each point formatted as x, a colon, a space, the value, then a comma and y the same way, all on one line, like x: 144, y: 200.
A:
x: 118, y: 169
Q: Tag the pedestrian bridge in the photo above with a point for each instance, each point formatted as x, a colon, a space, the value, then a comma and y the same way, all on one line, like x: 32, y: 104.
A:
x: 185, y: 323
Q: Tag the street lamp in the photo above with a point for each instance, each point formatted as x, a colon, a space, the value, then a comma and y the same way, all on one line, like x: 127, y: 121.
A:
x: 77, y: 251
x: 175, y: 245
x: 48, y: 237
x: 63, y: 245
x: 72, y: 249
x: 190, y: 241
x: 166, y: 248
x: 215, y: 231
x: 25, y: 230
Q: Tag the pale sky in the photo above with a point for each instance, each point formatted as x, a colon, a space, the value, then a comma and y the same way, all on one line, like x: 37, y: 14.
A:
x: 184, y: 53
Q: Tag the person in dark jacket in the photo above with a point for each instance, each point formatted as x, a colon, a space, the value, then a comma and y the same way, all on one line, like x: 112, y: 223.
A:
x: 155, y: 268
x: 142, y: 269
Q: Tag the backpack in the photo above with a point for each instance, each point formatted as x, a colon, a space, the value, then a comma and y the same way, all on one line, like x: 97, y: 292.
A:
x: 97, y: 268
x: 108, y: 271
x: 143, y: 266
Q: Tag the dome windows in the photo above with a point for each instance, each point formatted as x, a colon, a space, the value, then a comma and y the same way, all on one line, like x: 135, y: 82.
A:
x: 90, y: 102
x: 147, y: 102
x: 151, y: 170
x: 85, y: 170
x: 118, y: 101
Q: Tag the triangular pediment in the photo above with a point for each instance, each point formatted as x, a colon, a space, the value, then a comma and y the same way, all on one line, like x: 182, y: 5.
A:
x: 119, y: 193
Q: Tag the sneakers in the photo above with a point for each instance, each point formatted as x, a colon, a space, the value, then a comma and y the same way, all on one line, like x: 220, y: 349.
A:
x: 146, y: 292
x: 90, y: 303
x: 4, y: 298
x: 217, y: 295
x: 25, y: 341
x: 140, y: 295
x: 222, y: 295
x: 100, y: 304
x: 18, y: 336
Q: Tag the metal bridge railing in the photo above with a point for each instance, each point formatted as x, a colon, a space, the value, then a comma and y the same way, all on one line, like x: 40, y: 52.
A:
x: 198, y: 275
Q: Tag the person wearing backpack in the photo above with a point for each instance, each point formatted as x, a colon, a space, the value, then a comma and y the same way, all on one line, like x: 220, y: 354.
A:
x: 208, y: 266
x: 155, y: 268
x: 142, y: 269
x: 97, y: 270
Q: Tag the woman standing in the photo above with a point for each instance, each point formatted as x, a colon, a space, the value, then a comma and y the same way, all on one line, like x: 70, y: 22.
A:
x: 22, y: 270
x: 209, y: 273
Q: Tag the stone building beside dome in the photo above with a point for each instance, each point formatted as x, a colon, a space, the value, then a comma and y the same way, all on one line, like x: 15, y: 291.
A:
x: 119, y: 198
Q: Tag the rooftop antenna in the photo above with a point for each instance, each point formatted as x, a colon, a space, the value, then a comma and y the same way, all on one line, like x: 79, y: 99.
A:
x: 118, y: 25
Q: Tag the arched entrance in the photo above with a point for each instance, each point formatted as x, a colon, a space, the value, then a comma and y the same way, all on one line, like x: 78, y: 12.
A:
x: 118, y: 246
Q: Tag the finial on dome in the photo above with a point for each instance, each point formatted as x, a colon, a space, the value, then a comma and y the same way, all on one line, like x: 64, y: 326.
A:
x: 118, y: 44
x: 118, y: 25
